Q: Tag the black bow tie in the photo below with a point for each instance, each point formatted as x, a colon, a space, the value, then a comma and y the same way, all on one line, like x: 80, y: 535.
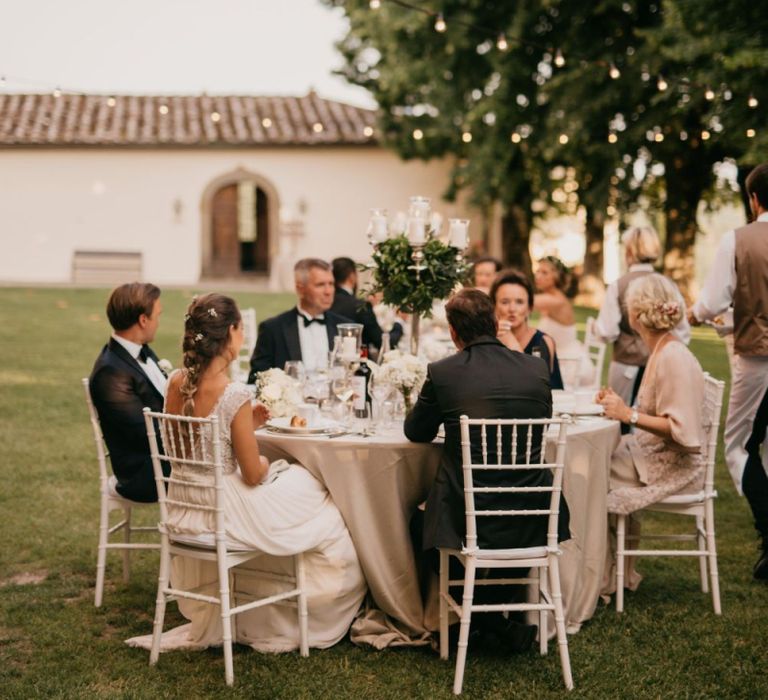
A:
x: 310, y: 321
x: 143, y: 353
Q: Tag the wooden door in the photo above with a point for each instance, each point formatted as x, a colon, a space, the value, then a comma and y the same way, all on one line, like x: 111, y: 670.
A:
x: 225, y: 246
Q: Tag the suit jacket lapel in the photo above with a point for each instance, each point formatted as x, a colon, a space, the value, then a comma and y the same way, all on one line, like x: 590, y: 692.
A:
x: 132, y: 363
x: 291, y: 335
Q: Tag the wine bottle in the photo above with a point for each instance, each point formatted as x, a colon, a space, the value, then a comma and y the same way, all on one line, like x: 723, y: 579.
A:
x: 361, y: 386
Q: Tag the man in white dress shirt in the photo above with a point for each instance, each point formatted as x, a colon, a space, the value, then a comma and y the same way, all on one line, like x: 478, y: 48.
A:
x: 306, y: 332
x: 739, y: 278
x: 126, y: 378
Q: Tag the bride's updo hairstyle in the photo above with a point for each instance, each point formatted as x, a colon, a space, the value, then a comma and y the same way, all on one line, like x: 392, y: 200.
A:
x: 206, y: 335
x: 656, y: 301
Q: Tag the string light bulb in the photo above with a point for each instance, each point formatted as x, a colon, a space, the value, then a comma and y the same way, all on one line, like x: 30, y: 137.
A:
x: 563, y: 139
x: 466, y: 137
x: 418, y: 134
x: 750, y: 133
x: 440, y: 25
x: 515, y: 138
x: 705, y: 135
x: 612, y: 138
x: 317, y: 127
x: 662, y: 84
x: 752, y: 101
x: 658, y: 138
x: 374, y: 4
x: 614, y: 72
x: 559, y: 59
x: 709, y: 94
x: 501, y: 43
x: 57, y: 92
x: 266, y: 122
x: 163, y: 109
x: 215, y: 117
x: 111, y: 102
x: 368, y: 131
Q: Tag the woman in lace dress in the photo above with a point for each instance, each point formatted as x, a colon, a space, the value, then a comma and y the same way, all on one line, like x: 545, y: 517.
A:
x: 512, y: 295
x: 279, y: 508
x: 665, y: 453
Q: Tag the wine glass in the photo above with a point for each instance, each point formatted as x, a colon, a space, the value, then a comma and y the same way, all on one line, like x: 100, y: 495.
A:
x: 380, y: 390
x: 341, y: 386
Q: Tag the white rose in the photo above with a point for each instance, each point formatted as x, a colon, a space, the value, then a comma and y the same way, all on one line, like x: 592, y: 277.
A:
x: 271, y: 392
x: 165, y: 365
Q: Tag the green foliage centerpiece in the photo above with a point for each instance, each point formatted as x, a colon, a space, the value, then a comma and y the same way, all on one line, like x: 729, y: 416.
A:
x: 414, y: 268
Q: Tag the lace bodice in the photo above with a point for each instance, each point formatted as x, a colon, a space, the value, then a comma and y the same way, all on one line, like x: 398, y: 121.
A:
x: 232, y: 398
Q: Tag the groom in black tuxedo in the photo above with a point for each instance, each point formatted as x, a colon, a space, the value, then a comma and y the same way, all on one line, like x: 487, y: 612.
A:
x: 125, y: 379
x: 306, y: 332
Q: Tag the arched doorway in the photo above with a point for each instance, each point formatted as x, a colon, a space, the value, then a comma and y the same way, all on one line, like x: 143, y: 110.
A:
x: 240, y: 223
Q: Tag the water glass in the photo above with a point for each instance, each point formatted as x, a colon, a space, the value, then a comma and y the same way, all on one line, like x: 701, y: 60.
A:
x: 295, y: 369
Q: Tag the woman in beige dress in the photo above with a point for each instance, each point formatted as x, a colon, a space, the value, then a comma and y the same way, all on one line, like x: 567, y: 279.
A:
x: 664, y: 454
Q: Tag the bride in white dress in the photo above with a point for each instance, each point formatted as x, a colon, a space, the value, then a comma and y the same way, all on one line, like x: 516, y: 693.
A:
x: 280, y: 508
x: 557, y: 320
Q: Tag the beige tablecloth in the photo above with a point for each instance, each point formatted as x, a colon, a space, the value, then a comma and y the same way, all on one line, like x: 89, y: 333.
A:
x: 377, y: 482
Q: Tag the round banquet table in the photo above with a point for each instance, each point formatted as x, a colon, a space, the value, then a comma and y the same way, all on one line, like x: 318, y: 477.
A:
x: 377, y: 482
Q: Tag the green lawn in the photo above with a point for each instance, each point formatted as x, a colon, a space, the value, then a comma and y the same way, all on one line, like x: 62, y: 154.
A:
x: 54, y: 643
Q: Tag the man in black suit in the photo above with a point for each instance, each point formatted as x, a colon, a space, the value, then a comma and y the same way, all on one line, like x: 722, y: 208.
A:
x: 483, y: 380
x: 346, y: 303
x: 125, y: 379
x: 306, y: 332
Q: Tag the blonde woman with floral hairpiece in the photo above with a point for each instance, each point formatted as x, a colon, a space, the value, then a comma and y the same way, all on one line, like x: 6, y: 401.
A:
x: 664, y: 454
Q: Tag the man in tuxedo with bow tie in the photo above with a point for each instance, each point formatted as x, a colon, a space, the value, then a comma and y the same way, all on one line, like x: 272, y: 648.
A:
x: 126, y: 378
x: 306, y: 332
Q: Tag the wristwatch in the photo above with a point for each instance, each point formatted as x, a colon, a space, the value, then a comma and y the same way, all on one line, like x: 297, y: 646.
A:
x: 633, y: 417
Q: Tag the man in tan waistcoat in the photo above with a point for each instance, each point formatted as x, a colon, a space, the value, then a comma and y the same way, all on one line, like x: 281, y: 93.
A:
x: 739, y: 277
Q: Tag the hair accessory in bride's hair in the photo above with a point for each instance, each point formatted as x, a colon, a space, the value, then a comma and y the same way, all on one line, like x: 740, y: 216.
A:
x: 667, y: 308
x: 186, y: 318
x: 212, y: 312
x: 199, y: 337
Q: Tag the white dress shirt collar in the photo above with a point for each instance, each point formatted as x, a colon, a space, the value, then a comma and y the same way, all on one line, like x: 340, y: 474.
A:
x: 641, y: 267
x: 313, y: 340
x: 150, y: 368
x: 306, y: 314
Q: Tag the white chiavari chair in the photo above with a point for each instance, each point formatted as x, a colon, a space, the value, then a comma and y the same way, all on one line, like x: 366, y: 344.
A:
x: 595, y: 350
x: 240, y: 367
x: 192, y: 445
x: 699, y: 505
x: 515, y: 439
x: 111, y: 500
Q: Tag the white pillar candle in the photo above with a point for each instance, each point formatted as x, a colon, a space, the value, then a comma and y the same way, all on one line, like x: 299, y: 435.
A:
x: 417, y: 233
x: 348, y: 348
x: 379, y: 228
x: 457, y: 233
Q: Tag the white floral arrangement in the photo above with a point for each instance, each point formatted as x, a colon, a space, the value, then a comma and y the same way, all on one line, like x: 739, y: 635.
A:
x: 280, y: 393
x: 404, y: 372
x: 165, y: 365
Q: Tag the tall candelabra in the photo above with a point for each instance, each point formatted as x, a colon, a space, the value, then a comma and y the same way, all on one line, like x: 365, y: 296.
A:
x: 420, y: 228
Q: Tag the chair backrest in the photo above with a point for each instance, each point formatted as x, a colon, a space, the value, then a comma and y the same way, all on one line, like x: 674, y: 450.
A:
x: 520, y: 440
x: 710, y: 416
x: 192, y: 448
x: 240, y: 367
x: 570, y: 367
x: 595, y: 349
x: 98, y: 436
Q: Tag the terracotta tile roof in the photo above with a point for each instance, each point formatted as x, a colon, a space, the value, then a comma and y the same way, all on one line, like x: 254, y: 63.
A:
x: 175, y: 120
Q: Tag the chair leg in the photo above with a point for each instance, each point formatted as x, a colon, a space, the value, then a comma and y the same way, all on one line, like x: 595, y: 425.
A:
x: 302, y: 605
x: 709, y: 522
x: 444, y: 566
x: 701, y: 543
x: 101, y: 557
x: 162, y: 584
x: 621, y: 522
x: 466, y: 618
x: 562, y: 637
x: 543, y: 614
x: 127, y: 540
x: 226, y: 625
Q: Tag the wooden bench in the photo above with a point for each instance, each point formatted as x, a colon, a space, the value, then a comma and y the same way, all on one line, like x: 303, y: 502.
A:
x: 106, y: 267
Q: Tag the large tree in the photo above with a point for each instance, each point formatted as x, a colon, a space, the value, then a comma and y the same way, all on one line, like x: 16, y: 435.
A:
x: 639, y: 98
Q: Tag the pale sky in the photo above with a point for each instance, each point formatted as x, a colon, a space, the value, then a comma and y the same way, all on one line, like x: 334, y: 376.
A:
x: 173, y: 46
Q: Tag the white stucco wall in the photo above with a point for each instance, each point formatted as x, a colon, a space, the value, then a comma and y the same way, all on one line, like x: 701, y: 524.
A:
x: 56, y: 201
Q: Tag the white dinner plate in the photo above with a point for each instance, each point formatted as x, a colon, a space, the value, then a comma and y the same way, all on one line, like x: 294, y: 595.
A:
x: 320, y: 427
